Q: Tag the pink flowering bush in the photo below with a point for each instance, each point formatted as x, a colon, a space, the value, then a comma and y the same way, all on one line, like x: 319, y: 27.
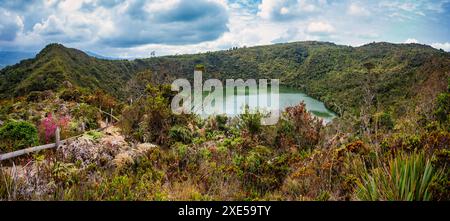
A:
x: 49, y: 124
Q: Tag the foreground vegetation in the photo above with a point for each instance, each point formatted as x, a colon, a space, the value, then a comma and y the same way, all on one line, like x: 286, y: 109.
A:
x: 390, y: 142
x: 234, y: 159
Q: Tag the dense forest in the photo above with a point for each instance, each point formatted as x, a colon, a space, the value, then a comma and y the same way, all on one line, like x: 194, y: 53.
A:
x: 390, y: 141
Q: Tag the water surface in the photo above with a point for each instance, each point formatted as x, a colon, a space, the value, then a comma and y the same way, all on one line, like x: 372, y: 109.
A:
x: 287, y: 97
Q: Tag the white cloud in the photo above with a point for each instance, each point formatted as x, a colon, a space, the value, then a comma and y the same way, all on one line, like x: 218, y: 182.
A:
x: 284, y: 11
x: 411, y: 41
x: 357, y: 10
x: 444, y: 46
x: 279, y: 10
x: 70, y: 5
x: 320, y: 27
x: 11, y: 25
x: 132, y: 28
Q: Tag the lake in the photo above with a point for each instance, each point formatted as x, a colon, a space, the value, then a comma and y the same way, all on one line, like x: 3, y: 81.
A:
x: 287, y: 97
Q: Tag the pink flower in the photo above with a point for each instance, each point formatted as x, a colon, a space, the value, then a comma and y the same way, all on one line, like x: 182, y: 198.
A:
x: 49, y: 124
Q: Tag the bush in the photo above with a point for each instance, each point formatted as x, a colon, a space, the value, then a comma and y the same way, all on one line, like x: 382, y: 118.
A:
x: 262, y: 171
x: 384, y: 120
x: 250, y: 122
x: 6, y: 107
x: 34, y: 96
x: 200, y: 67
x: 443, y: 108
x: 180, y: 134
x: 299, y: 127
x: 102, y: 100
x: 71, y: 94
x: 149, y: 119
x: 48, y: 125
x: 221, y: 122
x: 88, y: 115
x: 217, y: 122
x: 16, y: 135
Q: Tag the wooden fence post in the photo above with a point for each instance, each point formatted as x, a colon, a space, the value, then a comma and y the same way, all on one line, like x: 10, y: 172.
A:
x: 58, y: 137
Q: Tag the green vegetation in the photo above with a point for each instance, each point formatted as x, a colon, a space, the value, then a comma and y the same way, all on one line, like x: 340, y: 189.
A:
x: 180, y: 134
x: 16, y: 135
x: 406, y: 178
x: 391, y: 140
x: 401, y: 72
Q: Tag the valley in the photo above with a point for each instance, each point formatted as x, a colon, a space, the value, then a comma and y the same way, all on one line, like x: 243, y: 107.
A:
x: 355, y: 121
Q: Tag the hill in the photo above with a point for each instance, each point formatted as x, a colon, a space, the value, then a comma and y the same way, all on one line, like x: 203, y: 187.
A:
x: 335, y: 74
x: 56, y: 64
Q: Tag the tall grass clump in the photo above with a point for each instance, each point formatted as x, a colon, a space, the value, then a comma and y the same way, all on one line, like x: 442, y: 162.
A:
x: 406, y: 178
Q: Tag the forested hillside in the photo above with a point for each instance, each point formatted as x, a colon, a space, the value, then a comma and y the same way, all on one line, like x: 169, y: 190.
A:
x: 56, y: 64
x: 332, y: 73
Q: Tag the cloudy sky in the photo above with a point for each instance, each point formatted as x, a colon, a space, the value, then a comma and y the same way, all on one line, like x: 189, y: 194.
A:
x: 135, y: 28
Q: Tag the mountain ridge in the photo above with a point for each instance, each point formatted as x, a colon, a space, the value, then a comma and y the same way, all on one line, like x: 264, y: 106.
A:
x: 329, y: 72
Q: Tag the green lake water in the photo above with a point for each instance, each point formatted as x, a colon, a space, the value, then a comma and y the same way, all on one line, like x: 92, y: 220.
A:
x: 287, y: 97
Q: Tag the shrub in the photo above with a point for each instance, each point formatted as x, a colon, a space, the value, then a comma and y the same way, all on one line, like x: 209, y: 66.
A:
x: 384, y: 120
x: 149, y: 119
x: 88, y: 115
x: 406, y: 142
x: 5, y: 108
x: 48, y: 126
x: 200, y: 67
x: 64, y: 174
x: 71, y: 94
x: 34, y: 96
x: 94, y: 135
x: 262, y: 171
x: 250, y: 122
x: 217, y: 122
x: 180, y: 134
x: 443, y: 108
x: 221, y: 122
x: 102, y: 100
x: 16, y: 135
x: 299, y: 127
x: 406, y: 178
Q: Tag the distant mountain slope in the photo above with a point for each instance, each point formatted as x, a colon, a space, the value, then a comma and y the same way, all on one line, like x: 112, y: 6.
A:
x: 95, y: 55
x: 329, y: 72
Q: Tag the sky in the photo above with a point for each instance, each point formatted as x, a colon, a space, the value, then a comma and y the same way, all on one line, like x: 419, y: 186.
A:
x: 136, y: 28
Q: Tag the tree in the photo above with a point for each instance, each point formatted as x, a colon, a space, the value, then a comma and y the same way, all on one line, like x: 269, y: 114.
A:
x: 302, y: 127
x: 369, y: 94
x: 137, y: 86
